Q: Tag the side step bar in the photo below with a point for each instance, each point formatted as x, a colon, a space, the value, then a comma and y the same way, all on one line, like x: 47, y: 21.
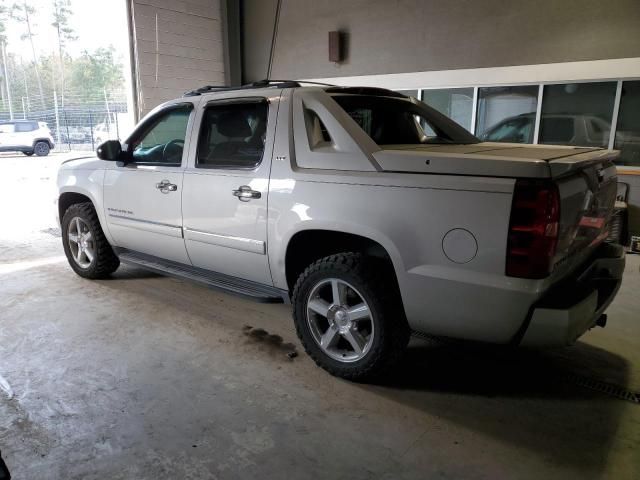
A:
x: 218, y: 281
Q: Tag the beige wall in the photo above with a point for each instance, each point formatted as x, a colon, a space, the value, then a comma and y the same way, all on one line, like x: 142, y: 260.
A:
x: 397, y: 36
x: 184, y: 52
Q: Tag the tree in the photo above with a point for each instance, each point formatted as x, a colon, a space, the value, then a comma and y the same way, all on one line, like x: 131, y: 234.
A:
x: 94, y: 72
x: 3, y: 20
x: 61, y: 15
x: 22, y: 12
x: 3, y: 50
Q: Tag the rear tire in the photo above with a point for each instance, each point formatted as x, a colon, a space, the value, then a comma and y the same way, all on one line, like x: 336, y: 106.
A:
x: 89, y: 253
x: 42, y: 149
x: 359, y: 343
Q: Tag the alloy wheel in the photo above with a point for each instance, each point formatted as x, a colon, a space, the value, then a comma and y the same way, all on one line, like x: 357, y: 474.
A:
x: 81, y: 242
x: 340, y: 320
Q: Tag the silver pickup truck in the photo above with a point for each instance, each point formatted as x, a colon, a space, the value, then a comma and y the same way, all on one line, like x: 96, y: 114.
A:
x: 371, y: 212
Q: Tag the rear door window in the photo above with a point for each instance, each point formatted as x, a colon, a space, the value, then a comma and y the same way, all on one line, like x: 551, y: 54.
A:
x: 25, y: 127
x: 232, y: 135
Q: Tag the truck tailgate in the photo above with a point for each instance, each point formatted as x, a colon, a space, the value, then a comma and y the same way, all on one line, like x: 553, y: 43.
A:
x: 587, y: 186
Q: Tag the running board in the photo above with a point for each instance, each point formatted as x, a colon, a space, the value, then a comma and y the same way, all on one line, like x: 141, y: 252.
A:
x: 218, y: 281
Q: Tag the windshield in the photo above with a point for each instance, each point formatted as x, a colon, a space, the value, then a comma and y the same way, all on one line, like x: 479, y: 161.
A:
x: 393, y: 121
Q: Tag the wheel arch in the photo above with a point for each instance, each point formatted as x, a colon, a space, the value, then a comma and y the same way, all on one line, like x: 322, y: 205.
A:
x: 45, y: 140
x: 306, y: 246
x: 66, y: 199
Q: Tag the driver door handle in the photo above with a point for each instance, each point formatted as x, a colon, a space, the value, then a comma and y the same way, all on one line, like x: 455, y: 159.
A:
x: 244, y: 193
x: 165, y: 186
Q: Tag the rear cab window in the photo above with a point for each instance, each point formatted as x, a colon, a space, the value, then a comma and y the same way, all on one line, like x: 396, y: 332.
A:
x: 397, y: 120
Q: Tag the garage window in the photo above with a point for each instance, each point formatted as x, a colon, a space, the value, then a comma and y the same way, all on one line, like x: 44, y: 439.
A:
x: 232, y: 135
x: 569, y: 110
x: 558, y: 130
x: 500, y: 107
x: 627, y: 138
x: 455, y: 103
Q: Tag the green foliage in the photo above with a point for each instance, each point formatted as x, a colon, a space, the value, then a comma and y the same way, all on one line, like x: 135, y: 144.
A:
x: 4, y: 14
x: 93, y: 72
x: 76, y: 80
x: 22, y: 12
x: 61, y: 16
x: 87, y: 78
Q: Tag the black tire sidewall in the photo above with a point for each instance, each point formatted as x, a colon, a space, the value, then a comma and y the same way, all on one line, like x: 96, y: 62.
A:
x: 72, y: 212
x: 379, y: 316
x: 46, y: 146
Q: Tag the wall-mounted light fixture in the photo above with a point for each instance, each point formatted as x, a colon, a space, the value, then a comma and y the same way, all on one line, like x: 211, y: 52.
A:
x: 336, y: 47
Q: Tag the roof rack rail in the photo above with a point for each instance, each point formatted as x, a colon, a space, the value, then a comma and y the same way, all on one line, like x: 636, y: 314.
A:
x: 298, y: 83
x: 259, y: 84
x: 205, y: 89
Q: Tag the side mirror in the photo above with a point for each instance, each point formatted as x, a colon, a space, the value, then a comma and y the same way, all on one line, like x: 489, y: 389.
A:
x: 110, y: 150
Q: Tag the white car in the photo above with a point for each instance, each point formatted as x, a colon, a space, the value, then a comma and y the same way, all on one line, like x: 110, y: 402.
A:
x: 335, y: 198
x: 103, y: 132
x: 26, y: 136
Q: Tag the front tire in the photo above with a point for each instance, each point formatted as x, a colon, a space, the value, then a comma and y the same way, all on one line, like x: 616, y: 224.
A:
x: 28, y: 154
x: 42, y: 149
x: 87, y: 249
x: 349, y: 317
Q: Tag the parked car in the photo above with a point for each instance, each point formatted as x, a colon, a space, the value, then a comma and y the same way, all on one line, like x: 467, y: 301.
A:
x: 103, y: 132
x: 556, y: 129
x: 74, y: 135
x: 113, y: 125
x: 26, y: 136
x: 335, y: 198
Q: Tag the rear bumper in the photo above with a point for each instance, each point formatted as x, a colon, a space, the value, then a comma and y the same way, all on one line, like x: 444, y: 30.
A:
x: 573, y: 306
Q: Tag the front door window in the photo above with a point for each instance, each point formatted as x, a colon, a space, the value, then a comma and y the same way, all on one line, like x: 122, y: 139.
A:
x: 162, y: 142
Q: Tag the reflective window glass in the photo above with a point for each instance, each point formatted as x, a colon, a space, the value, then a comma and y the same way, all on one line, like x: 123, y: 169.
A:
x: 502, y: 107
x: 577, y: 114
x: 628, y: 129
x: 455, y: 103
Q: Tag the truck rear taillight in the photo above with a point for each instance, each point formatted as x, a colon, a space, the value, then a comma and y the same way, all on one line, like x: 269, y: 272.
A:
x: 533, y: 229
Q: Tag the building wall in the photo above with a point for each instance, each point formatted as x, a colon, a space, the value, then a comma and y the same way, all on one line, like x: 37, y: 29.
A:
x: 423, y: 35
x: 177, y: 46
x: 258, y: 17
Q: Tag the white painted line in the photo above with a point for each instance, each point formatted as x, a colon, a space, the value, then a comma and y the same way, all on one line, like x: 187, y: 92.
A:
x: 28, y: 264
x: 5, y: 387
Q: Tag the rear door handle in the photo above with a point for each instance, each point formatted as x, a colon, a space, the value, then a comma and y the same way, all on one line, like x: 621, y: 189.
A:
x: 244, y: 193
x: 165, y: 186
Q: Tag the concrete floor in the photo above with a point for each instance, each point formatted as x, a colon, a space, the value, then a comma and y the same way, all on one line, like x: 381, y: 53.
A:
x: 148, y: 377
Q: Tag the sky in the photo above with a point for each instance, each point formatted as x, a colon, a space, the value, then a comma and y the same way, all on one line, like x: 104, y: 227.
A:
x: 97, y: 23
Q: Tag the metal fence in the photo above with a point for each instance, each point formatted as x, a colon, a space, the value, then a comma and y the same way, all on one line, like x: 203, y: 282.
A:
x: 77, y: 122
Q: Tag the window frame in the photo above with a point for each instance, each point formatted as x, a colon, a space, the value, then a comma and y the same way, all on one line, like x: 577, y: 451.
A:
x: 145, y: 127
x: 224, y: 102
